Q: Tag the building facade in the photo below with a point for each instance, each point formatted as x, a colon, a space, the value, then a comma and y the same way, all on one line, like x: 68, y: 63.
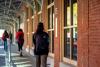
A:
x: 73, y: 27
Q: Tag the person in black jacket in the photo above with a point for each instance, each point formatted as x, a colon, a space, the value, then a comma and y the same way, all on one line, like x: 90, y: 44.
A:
x: 41, y: 46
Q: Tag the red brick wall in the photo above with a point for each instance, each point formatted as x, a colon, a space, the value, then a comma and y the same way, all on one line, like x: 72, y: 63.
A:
x: 83, y: 30
x: 45, y: 15
x: 58, y: 12
x: 25, y: 28
x: 94, y: 33
x: 30, y: 26
x: 88, y: 33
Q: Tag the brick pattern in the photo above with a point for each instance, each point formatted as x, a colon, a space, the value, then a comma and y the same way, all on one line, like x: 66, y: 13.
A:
x: 57, y: 40
x: 25, y: 27
x: 88, y: 29
x: 45, y: 15
x: 94, y: 30
x: 83, y: 33
x: 30, y: 26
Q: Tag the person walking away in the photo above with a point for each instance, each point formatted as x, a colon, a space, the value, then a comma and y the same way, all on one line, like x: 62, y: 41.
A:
x: 20, y: 40
x: 41, y: 46
x: 4, y: 38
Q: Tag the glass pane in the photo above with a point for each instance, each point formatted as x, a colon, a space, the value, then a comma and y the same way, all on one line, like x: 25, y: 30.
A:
x: 74, y: 1
x: 75, y: 14
x: 52, y: 41
x: 48, y: 19
x: 32, y: 12
x: 40, y: 1
x: 39, y: 7
x: 67, y: 43
x: 74, y: 48
x: 53, y: 17
x: 39, y: 18
x: 33, y: 25
x: 50, y: 1
x: 66, y: 13
x: 68, y: 16
x: 27, y: 13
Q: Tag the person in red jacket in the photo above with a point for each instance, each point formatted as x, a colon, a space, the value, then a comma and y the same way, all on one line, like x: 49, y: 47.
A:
x: 4, y: 38
x: 20, y: 40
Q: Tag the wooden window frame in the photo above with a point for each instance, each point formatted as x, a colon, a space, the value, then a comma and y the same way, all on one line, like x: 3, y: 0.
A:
x: 50, y: 6
x: 69, y: 60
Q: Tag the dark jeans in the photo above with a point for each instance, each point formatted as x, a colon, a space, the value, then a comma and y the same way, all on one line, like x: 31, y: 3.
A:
x: 20, y: 47
x: 5, y: 45
x: 41, y: 60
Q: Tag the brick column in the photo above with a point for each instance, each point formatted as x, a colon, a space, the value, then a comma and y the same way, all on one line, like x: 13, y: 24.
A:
x: 30, y: 27
x: 35, y: 21
x: 44, y: 15
x: 25, y: 28
x: 83, y: 33
x: 57, y: 29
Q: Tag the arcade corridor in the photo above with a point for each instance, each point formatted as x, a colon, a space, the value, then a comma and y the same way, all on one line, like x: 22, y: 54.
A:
x: 72, y: 25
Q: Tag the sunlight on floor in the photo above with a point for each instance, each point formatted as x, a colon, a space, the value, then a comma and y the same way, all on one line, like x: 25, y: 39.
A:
x: 18, y: 58
x: 24, y: 62
x: 14, y: 54
x: 20, y: 61
x: 24, y: 65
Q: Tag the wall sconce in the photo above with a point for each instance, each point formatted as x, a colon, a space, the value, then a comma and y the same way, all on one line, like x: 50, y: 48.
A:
x: 32, y: 17
x: 28, y: 33
x: 32, y: 32
x: 28, y: 20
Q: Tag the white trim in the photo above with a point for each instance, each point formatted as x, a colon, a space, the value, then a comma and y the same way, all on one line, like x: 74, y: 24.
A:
x: 50, y: 29
x: 52, y: 4
x: 70, y: 27
x: 73, y: 62
x: 51, y: 54
x: 32, y: 17
x: 39, y: 12
x: 56, y: 33
x: 32, y: 32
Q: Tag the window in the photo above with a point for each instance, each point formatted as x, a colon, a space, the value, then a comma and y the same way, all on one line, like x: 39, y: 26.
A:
x: 50, y: 1
x: 70, y: 29
x: 51, y: 26
x: 32, y: 19
x: 39, y: 7
x: 39, y: 17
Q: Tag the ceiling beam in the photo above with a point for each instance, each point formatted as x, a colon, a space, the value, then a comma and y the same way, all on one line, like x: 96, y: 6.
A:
x: 9, y: 5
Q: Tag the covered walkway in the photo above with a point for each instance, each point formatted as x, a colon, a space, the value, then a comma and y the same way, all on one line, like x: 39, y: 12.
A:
x: 26, y: 14
x: 73, y: 27
x: 26, y: 61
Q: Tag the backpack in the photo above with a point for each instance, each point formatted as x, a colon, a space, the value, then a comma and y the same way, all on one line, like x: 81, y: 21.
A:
x: 42, y: 44
x: 20, y: 37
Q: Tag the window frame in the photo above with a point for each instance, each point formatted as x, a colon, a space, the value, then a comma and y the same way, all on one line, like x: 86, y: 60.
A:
x: 65, y: 59
x: 50, y: 7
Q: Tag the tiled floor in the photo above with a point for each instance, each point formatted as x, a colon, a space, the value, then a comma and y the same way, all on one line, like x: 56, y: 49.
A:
x: 26, y: 61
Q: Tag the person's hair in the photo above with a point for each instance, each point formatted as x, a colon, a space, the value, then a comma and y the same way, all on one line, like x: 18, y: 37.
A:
x: 5, y: 33
x: 20, y: 30
x: 40, y: 28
